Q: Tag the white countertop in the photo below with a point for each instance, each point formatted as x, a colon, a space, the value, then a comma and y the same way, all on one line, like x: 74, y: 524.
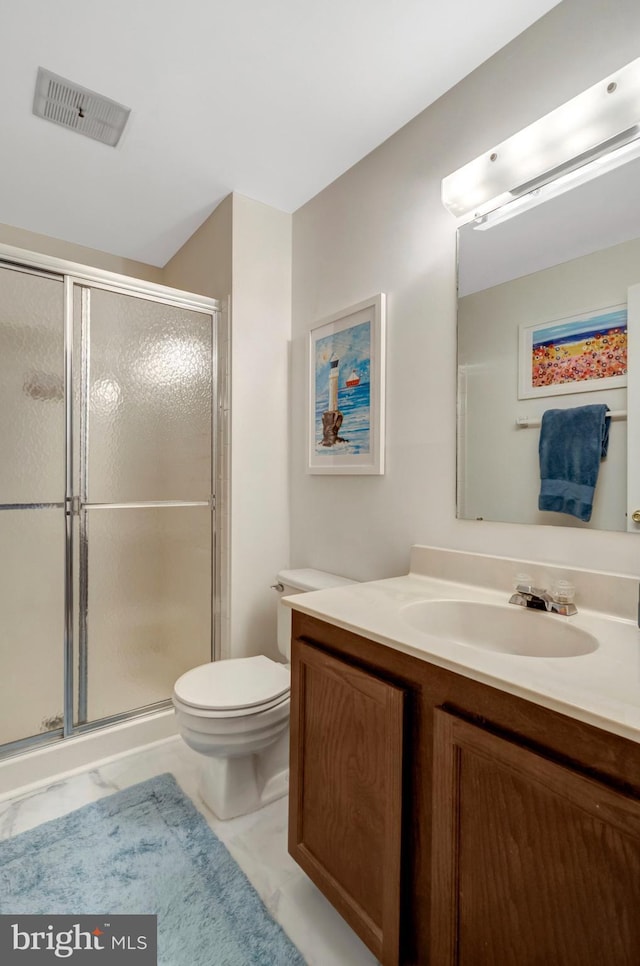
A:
x: 601, y: 688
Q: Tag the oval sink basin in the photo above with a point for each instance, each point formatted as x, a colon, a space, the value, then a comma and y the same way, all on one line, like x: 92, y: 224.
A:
x: 509, y: 629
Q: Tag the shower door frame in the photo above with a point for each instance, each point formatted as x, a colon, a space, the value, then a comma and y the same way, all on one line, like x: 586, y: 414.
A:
x: 76, y: 274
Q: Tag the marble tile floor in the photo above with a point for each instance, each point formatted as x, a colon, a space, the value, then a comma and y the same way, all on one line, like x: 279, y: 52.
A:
x: 256, y: 841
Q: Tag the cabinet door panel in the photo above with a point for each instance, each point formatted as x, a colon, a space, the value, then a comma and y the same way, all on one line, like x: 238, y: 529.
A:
x: 346, y: 788
x: 533, y: 862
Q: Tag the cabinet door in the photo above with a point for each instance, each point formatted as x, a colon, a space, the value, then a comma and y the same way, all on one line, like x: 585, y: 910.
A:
x: 533, y: 862
x: 346, y: 788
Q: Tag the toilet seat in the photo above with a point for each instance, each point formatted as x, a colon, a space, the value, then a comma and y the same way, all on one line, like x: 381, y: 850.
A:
x: 234, y: 687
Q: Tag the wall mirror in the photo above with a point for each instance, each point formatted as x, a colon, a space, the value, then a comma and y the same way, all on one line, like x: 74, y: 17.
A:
x: 574, y: 259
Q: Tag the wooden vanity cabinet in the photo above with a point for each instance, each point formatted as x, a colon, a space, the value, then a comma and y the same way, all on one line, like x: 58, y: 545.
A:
x: 452, y: 823
x: 534, y: 861
x: 346, y: 791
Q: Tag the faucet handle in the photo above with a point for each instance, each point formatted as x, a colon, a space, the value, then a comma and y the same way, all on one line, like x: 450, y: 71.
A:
x: 563, y: 592
x: 524, y: 584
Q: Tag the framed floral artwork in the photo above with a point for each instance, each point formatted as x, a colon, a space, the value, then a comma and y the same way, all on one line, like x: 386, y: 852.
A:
x: 577, y: 354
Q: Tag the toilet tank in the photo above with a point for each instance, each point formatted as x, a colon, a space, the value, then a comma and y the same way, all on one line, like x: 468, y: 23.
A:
x: 299, y: 582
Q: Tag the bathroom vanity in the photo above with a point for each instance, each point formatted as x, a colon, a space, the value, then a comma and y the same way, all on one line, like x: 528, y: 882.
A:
x: 462, y: 806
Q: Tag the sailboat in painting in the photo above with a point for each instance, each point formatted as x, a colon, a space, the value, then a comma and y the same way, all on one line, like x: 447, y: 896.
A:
x: 353, y: 380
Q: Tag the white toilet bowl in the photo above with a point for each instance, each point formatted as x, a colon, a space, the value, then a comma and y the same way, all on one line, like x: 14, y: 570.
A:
x: 236, y: 714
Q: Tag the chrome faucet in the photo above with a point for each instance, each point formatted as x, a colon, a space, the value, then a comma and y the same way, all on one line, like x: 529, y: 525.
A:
x: 537, y: 598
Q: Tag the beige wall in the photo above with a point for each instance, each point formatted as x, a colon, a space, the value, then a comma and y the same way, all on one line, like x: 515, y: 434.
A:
x: 260, y: 334
x: 382, y: 227
x: 244, y: 250
x: 203, y: 264
x: 45, y: 245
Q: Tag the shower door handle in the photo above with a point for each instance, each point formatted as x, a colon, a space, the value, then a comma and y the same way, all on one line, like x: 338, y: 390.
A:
x: 142, y: 504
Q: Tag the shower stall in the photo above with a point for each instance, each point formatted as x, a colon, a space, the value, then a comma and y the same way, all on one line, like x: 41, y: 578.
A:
x: 107, y: 522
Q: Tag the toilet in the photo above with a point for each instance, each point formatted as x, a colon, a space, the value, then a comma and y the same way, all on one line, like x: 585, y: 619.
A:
x: 236, y: 714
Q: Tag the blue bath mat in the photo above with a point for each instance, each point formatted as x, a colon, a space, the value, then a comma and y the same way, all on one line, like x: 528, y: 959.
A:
x: 146, y: 850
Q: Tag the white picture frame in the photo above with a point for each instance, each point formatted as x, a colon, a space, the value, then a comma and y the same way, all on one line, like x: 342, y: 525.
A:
x: 581, y: 353
x: 346, y: 391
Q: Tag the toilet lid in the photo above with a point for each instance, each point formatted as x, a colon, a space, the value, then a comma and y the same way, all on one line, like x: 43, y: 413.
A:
x: 245, y: 682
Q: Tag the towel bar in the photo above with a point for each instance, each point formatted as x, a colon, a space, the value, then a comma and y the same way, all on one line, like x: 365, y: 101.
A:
x: 524, y: 422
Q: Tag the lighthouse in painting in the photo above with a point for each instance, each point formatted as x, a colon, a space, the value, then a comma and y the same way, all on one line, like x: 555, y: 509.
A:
x: 333, y: 385
x: 332, y: 418
x: 340, y: 392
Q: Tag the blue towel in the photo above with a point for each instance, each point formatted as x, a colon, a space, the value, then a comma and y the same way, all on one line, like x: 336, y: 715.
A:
x: 572, y: 443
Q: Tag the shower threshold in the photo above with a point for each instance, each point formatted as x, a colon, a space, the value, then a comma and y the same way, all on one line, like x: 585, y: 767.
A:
x: 32, y: 766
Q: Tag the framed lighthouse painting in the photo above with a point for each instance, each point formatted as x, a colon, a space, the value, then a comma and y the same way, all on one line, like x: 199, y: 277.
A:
x: 346, y: 391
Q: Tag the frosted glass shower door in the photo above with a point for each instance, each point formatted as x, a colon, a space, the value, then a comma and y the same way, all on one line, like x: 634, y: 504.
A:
x: 32, y: 493
x: 144, y: 454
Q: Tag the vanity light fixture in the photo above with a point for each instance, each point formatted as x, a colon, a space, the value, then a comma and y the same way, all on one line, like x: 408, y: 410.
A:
x: 595, y: 132
x: 563, y: 183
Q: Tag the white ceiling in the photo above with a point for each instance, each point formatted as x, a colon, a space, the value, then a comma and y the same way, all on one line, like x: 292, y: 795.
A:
x: 270, y: 98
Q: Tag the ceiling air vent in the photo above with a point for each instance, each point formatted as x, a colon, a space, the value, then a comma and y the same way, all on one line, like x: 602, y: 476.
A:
x: 63, y: 102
